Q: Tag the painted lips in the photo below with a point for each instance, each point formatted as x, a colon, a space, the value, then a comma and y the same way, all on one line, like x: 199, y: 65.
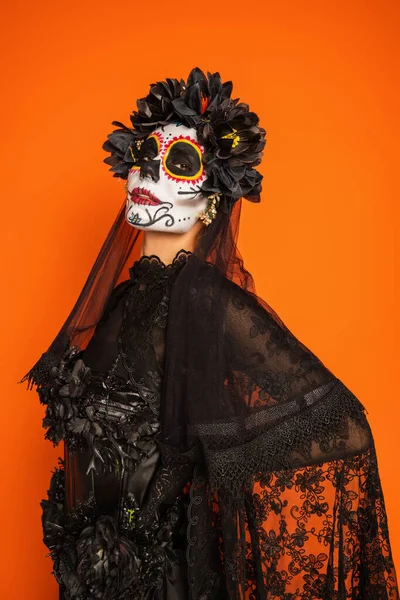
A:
x: 143, y: 196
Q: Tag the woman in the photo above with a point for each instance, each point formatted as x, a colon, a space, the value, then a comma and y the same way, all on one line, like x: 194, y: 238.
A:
x: 208, y: 452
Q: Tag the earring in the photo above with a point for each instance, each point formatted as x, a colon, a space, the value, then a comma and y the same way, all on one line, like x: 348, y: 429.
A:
x: 209, y: 214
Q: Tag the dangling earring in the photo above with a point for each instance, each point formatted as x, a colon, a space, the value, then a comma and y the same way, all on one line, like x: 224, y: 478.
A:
x: 209, y: 214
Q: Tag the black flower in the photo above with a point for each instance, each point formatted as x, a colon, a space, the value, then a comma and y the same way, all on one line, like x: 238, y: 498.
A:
x: 67, y: 382
x: 53, y: 508
x: 77, y: 381
x: 106, y: 560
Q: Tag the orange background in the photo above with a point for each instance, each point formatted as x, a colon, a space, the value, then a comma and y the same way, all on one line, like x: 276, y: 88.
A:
x: 322, y: 246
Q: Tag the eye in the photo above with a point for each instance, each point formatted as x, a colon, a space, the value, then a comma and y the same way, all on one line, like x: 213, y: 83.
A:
x: 145, y: 158
x: 182, y: 166
x: 182, y: 159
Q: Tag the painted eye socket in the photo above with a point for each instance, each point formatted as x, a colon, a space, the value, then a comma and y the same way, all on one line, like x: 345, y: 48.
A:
x: 148, y: 150
x: 182, y: 160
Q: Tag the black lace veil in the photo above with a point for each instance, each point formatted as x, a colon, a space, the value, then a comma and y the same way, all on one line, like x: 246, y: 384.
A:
x: 108, y: 268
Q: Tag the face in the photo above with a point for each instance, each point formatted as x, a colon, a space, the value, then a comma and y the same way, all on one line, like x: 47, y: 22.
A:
x: 164, y: 184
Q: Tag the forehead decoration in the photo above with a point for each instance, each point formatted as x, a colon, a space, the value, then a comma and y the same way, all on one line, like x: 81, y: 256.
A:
x: 229, y: 146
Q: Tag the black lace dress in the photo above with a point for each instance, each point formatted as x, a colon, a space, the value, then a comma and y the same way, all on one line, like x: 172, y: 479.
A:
x: 279, y: 497
x: 114, y: 520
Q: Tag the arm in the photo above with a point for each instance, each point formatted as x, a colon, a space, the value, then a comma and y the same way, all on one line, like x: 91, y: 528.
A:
x: 290, y: 409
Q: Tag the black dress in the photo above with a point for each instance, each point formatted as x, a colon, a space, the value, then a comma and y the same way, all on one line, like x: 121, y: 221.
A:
x: 278, y: 499
x: 111, y: 507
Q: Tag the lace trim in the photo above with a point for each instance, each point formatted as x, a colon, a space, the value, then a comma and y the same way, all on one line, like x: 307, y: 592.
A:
x: 152, y: 264
x: 315, y: 435
x: 202, y: 539
x: 229, y: 432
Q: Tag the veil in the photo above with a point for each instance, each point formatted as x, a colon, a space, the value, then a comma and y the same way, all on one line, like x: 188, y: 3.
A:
x: 217, y: 246
x: 119, y: 246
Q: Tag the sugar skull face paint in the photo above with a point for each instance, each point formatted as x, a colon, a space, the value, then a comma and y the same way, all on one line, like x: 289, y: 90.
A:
x: 163, y: 187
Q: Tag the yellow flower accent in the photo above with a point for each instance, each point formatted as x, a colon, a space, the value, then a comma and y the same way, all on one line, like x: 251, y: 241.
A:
x: 131, y: 513
x: 232, y: 136
x: 133, y: 158
x: 138, y: 143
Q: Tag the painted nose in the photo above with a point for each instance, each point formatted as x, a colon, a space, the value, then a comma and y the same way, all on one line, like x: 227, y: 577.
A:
x: 150, y: 169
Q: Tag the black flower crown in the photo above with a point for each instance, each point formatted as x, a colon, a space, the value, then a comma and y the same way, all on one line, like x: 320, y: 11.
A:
x: 229, y: 132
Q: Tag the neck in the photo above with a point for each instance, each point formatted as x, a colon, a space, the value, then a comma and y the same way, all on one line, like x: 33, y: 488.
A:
x: 166, y: 245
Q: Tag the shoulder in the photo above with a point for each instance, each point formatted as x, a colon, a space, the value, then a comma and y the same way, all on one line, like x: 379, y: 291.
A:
x: 225, y: 299
x: 211, y: 292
